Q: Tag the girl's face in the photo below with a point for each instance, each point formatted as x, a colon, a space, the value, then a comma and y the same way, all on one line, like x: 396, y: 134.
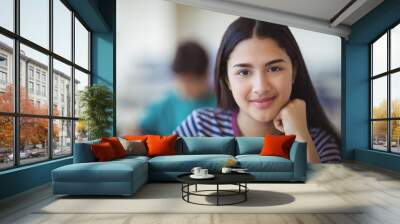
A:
x: 260, y: 76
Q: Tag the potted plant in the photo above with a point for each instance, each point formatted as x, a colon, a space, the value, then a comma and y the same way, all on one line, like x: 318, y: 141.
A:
x: 96, y: 102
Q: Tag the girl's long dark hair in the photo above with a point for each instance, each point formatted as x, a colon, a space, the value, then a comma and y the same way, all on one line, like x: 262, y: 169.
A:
x: 244, y: 28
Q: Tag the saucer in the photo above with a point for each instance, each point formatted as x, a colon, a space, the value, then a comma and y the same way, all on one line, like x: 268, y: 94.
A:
x: 208, y: 176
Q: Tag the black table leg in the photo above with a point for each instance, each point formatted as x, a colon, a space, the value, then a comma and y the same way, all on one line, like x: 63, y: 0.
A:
x: 245, y: 193
x: 217, y: 194
x: 188, y: 189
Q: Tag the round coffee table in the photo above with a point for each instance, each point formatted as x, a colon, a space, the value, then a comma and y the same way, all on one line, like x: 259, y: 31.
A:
x: 238, y: 179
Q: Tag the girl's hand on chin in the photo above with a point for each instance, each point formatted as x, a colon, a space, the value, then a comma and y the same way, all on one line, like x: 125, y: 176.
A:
x: 292, y: 120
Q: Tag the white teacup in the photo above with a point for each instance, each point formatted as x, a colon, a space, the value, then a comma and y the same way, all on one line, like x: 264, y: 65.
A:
x: 226, y: 170
x: 203, y: 172
x: 196, y: 170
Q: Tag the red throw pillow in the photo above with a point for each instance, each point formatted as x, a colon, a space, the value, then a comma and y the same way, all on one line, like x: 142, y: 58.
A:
x: 135, y: 137
x: 103, y: 151
x: 277, y: 145
x: 116, y: 145
x: 161, y: 145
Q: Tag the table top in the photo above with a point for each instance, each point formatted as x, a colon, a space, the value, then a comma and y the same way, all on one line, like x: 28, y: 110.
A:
x: 220, y: 178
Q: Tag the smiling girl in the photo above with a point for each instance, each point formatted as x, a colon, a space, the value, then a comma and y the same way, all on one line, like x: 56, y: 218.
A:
x: 263, y: 87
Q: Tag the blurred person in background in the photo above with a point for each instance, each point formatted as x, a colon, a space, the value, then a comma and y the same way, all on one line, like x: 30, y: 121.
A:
x: 190, y: 69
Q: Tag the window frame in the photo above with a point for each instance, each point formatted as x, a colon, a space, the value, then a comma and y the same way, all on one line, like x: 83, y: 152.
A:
x: 388, y: 74
x: 16, y: 115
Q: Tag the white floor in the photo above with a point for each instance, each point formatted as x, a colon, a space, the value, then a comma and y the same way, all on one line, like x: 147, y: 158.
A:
x: 377, y: 189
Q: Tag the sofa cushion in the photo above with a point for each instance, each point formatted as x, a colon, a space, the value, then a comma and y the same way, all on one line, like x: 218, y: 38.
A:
x: 135, y: 137
x: 111, y: 171
x: 185, y: 163
x: 131, y: 158
x: 134, y: 147
x: 161, y: 145
x: 207, y: 145
x: 103, y: 152
x: 83, y: 152
x: 257, y: 163
x: 277, y: 145
x: 249, y: 145
x: 116, y: 145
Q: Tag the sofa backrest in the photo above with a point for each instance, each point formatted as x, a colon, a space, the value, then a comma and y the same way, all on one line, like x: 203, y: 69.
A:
x: 83, y: 152
x: 249, y: 145
x: 191, y: 146
x: 206, y: 145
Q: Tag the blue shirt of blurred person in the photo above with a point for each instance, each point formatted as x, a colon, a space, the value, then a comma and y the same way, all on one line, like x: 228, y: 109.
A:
x: 162, y: 117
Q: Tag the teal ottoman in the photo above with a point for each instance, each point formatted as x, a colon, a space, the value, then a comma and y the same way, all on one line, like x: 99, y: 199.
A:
x: 118, y: 177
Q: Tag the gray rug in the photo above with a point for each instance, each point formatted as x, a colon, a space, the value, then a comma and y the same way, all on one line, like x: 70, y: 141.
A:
x: 166, y: 198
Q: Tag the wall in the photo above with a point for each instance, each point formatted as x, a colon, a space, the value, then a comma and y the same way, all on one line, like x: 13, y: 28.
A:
x: 103, y: 52
x: 24, y: 178
x: 356, y: 85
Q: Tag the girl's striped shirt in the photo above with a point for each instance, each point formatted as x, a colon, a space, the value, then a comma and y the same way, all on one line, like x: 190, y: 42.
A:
x: 218, y: 122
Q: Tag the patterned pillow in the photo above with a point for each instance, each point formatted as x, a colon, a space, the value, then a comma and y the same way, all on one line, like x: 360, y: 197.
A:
x: 134, y: 147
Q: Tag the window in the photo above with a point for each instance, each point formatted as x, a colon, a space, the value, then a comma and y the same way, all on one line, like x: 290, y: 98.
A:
x: 54, y: 125
x: 3, y: 71
x: 3, y: 61
x: 44, y: 91
x: 38, y: 89
x: 30, y: 87
x: 6, y: 71
x: 34, y: 21
x: 30, y: 72
x: 385, y: 94
x: 81, y: 45
x: 3, y: 78
x: 62, y: 74
x: 62, y: 29
x: 7, y: 14
x: 37, y: 75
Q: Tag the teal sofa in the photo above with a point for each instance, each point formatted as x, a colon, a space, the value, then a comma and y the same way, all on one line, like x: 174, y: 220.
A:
x: 125, y: 176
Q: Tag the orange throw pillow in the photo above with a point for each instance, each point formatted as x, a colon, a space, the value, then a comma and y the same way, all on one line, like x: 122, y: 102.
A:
x: 277, y: 145
x: 161, y: 145
x: 116, y: 145
x: 135, y: 137
x: 103, y: 151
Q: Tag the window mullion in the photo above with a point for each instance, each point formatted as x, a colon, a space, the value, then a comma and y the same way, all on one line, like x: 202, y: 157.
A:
x: 16, y: 83
x: 389, y: 76
x: 73, y: 82
x: 50, y: 81
x: 371, y: 100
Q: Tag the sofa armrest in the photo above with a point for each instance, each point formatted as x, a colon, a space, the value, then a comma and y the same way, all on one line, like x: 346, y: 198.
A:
x: 298, y: 155
x: 83, y: 152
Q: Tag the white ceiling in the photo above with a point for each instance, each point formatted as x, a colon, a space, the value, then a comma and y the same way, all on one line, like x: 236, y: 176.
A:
x: 320, y: 9
x: 315, y: 15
